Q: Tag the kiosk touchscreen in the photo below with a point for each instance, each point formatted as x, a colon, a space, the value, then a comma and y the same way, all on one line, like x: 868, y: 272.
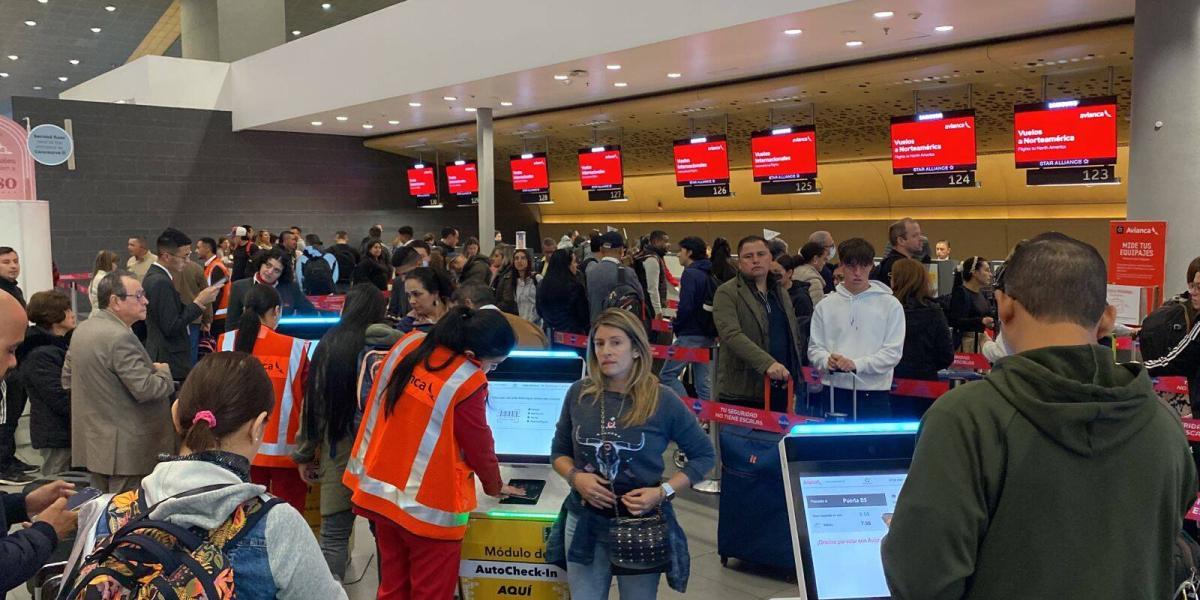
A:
x: 525, y: 398
x: 842, y: 481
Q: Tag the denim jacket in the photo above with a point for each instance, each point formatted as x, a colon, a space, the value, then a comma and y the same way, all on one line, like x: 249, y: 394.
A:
x: 592, y: 529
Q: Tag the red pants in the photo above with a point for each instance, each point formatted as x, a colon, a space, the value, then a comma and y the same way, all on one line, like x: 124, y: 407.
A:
x: 282, y: 482
x: 414, y: 567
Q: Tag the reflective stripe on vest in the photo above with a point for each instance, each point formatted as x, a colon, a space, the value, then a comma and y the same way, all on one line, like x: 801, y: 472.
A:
x: 280, y: 447
x: 406, y: 499
x: 222, y: 306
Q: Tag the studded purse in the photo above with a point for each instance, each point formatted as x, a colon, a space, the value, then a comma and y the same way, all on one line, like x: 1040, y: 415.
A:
x: 637, y: 545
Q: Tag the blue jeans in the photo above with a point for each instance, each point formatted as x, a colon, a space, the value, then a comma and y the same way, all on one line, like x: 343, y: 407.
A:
x: 701, y: 372
x: 592, y: 582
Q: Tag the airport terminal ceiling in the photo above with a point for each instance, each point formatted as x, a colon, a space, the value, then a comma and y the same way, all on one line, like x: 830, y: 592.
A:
x: 852, y: 105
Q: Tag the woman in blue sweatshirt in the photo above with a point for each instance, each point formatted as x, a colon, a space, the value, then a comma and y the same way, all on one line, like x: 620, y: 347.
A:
x: 614, y: 428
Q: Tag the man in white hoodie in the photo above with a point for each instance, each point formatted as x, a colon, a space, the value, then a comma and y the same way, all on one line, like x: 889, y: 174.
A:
x: 858, y: 338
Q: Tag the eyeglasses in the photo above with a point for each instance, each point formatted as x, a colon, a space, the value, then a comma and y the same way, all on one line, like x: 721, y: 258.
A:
x: 140, y: 295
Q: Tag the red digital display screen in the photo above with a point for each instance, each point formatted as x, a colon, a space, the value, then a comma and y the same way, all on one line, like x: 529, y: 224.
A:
x: 702, y: 161
x: 600, y: 168
x: 934, y: 143
x: 462, y: 179
x: 530, y: 174
x: 1065, y: 133
x: 422, y: 182
x: 784, y: 154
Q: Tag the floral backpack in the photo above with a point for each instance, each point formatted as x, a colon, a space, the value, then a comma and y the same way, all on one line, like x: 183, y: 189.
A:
x: 145, y: 559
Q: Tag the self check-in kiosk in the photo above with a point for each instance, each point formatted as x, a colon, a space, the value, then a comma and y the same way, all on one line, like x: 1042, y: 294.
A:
x: 842, y: 481
x: 504, y: 549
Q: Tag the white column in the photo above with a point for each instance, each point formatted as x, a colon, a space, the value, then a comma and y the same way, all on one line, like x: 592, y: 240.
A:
x: 486, y: 165
x: 1163, y: 178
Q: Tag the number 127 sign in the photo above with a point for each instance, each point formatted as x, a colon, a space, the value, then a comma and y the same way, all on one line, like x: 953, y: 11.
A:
x: 1137, y: 253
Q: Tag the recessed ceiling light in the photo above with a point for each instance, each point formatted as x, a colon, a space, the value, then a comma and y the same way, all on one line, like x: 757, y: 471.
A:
x: 884, y: 14
x: 31, y: 23
x: 74, y: 61
x: 944, y: 28
x: 3, y: 74
x: 562, y: 77
x: 449, y: 98
x: 13, y: 57
x: 854, y: 43
x: 415, y: 104
x: 368, y: 126
x: 505, y: 103
x: 295, y: 32
x: 793, y: 31
x: 62, y: 79
x: 110, y: 8
x: 393, y: 122
x: 674, y: 75
x: 620, y: 84
x: 43, y: 1
x: 613, y: 67
x: 96, y: 30
x: 317, y: 123
x: 326, y: 6
x: 120, y: 102
x: 470, y: 109
x: 37, y: 88
x: 341, y: 118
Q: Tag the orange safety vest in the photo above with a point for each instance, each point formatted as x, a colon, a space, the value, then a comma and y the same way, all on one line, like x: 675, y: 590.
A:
x: 221, y: 307
x: 408, y: 467
x: 285, y: 359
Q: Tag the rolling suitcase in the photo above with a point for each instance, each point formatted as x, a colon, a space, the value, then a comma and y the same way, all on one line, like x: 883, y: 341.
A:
x: 752, y: 519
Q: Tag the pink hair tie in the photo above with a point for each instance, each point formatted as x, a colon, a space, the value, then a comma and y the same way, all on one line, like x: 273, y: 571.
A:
x: 205, y: 415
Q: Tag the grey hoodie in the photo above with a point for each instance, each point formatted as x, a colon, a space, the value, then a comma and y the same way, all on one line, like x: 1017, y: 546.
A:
x: 299, y: 569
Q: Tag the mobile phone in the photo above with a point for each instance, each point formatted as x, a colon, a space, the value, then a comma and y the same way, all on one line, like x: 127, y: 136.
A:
x: 221, y: 282
x: 82, y: 497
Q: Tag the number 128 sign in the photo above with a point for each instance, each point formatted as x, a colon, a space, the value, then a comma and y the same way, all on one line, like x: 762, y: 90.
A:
x: 1137, y: 253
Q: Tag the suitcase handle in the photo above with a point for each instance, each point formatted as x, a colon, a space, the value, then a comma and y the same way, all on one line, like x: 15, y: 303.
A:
x: 791, y: 395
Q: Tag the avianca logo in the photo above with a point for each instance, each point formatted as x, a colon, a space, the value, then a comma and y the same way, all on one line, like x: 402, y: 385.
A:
x: 1095, y: 114
x: 1141, y: 230
x: 962, y: 125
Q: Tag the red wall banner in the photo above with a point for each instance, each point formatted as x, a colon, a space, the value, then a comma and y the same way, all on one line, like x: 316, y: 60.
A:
x: 17, y: 181
x: 1137, y: 253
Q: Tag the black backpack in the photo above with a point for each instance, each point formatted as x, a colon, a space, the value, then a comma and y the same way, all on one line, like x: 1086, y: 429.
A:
x: 1164, y: 328
x: 627, y: 297
x: 639, y: 269
x: 705, y: 317
x: 318, y: 277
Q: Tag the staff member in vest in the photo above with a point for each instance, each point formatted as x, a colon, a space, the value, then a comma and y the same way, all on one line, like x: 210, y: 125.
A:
x: 214, y: 272
x: 614, y: 428
x: 423, y: 436
x: 286, y: 361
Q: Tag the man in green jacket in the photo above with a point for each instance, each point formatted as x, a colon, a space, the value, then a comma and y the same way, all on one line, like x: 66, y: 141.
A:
x: 1060, y: 475
x: 758, y: 331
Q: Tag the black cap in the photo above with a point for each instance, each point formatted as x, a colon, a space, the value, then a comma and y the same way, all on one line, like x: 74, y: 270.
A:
x: 612, y: 240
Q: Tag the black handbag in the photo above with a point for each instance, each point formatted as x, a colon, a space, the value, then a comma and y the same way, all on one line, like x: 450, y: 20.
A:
x: 639, y: 545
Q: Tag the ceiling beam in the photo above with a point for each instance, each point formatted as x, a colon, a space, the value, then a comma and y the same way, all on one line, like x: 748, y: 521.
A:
x: 162, y: 36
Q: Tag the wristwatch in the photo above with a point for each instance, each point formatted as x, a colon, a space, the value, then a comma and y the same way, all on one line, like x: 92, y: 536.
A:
x: 668, y: 491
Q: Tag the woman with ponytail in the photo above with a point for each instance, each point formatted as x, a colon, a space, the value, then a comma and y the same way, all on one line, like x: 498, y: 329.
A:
x: 222, y: 413
x: 423, y: 439
x: 286, y: 361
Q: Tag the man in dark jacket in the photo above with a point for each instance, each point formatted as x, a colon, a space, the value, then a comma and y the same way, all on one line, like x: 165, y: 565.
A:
x: 24, y: 551
x: 10, y: 271
x: 167, y: 316
x: 906, y: 241
x: 12, y: 396
x: 476, y: 269
x: 244, y: 251
x: 268, y: 268
x: 40, y: 362
x: 347, y: 258
x: 693, y: 325
x: 758, y: 330
x: 449, y: 241
x: 1061, y: 475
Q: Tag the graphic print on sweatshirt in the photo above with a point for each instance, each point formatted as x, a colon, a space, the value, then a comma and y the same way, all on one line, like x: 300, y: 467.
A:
x: 609, y: 450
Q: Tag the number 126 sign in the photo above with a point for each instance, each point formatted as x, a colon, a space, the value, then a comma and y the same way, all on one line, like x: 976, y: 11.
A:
x: 1137, y: 253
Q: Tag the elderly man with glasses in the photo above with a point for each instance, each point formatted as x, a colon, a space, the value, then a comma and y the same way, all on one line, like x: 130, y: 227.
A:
x: 120, y: 398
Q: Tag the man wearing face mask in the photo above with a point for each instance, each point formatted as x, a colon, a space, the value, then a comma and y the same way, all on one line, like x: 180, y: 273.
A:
x: 826, y: 240
x: 1059, y: 454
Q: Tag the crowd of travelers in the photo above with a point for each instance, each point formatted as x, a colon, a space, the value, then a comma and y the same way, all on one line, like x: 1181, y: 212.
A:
x: 191, y: 411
